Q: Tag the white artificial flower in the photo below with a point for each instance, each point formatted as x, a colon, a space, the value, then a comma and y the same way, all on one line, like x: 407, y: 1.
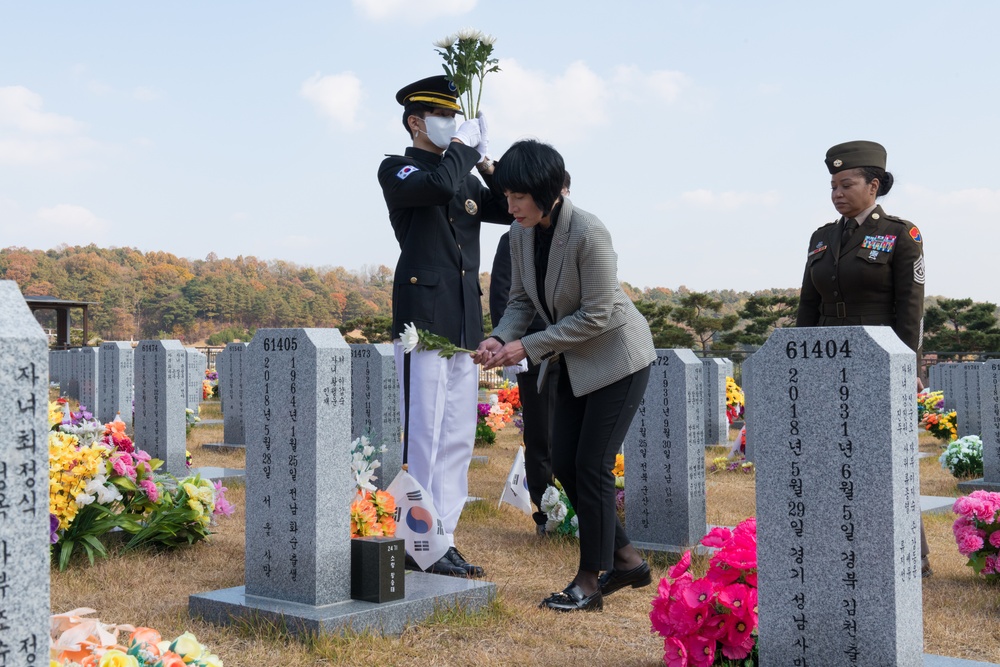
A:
x: 558, y: 513
x: 84, y: 499
x: 550, y: 499
x: 574, y: 523
x: 409, y: 338
x: 494, y: 400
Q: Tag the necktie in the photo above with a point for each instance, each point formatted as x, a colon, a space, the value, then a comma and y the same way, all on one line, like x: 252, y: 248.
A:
x: 849, y: 228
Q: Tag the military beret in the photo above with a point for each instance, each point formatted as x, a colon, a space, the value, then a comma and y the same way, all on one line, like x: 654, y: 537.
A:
x: 855, y: 154
x: 437, y: 91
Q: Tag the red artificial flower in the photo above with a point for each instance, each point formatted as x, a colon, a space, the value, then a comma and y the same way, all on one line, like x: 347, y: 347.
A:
x: 674, y: 652
x: 698, y: 594
x: 681, y: 567
x: 701, y: 651
x: 735, y: 597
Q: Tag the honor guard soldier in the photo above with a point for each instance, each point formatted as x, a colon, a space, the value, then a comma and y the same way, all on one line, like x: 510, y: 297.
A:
x: 436, y: 206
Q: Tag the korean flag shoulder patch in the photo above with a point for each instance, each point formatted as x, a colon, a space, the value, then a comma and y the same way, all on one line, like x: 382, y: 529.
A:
x: 406, y: 171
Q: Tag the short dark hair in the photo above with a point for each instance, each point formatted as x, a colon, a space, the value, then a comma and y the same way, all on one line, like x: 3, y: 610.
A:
x: 532, y: 168
x: 885, y: 178
x: 418, y: 109
x: 567, y: 181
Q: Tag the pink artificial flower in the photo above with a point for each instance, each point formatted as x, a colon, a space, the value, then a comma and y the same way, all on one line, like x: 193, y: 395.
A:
x: 141, y: 456
x: 961, y: 507
x: 969, y: 543
x: 149, y: 487
x: 960, y: 523
x: 699, y: 594
x: 681, y: 567
x: 717, y: 537
x: 222, y: 506
x: 739, y: 651
x: 701, y: 651
x: 735, y: 597
x: 989, y: 566
x: 739, y: 631
x: 995, y: 539
x: 751, y: 579
x: 659, y: 617
x: 717, y: 625
x: 674, y: 652
x: 121, y: 466
x: 686, y: 620
x: 752, y: 605
x: 722, y: 575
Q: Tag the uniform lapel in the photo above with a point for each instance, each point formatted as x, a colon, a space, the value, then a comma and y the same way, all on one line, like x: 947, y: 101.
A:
x: 557, y: 254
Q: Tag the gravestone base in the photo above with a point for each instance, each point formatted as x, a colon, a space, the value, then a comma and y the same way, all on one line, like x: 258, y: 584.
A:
x: 425, y: 594
x: 936, y: 504
x: 209, y: 422
x: 696, y: 550
x: 222, y: 446
x: 479, y: 460
x: 978, y: 485
x: 215, y: 473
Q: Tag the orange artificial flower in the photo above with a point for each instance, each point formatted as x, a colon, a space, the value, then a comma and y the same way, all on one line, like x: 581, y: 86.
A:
x: 171, y: 659
x: 147, y: 636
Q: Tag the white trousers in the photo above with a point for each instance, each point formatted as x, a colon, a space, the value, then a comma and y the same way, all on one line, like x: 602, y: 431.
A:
x: 443, y: 397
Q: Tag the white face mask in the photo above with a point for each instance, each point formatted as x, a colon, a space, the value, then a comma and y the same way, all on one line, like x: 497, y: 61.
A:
x: 439, y: 130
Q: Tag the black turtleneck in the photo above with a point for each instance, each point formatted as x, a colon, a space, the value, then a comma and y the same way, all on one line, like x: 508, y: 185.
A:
x: 543, y: 244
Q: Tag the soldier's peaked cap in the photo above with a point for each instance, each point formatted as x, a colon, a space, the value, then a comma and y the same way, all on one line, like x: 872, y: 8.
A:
x: 437, y: 91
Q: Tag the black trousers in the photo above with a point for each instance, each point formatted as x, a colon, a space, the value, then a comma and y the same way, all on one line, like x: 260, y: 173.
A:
x: 537, y: 413
x: 587, y: 434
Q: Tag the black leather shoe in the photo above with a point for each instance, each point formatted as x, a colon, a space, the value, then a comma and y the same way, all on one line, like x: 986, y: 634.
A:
x: 572, y: 598
x: 637, y: 577
x: 447, y: 567
x: 471, y: 570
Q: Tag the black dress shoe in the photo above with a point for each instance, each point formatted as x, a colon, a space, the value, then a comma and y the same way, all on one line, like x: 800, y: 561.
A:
x: 637, y: 577
x: 471, y: 570
x: 447, y: 567
x: 572, y: 598
x: 411, y: 564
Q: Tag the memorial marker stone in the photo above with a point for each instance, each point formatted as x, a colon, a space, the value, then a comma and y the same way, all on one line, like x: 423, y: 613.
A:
x: 194, y: 375
x: 375, y: 405
x: 716, y: 424
x: 73, y: 374
x: 89, y: 370
x: 24, y: 484
x: 117, y: 361
x: 838, y: 506
x: 934, y: 377
x: 665, y: 447
x: 950, y: 384
x: 160, y: 425
x: 989, y: 413
x: 53, y: 366
x: 231, y: 389
x: 967, y: 400
x: 751, y: 402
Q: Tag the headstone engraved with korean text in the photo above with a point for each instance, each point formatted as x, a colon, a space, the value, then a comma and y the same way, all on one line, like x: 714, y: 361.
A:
x: 117, y: 375
x: 950, y: 383
x: 54, y: 366
x: 665, y: 453
x: 24, y: 484
x: 375, y: 405
x: 73, y: 373
x: 220, y: 362
x: 90, y: 368
x: 231, y: 389
x: 716, y: 424
x: 194, y: 375
x: 160, y: 425
x: 299, y: 481
x: 838, y: 505
x: 989, y: 396
x: 934, y: 377
x: 967, y: 399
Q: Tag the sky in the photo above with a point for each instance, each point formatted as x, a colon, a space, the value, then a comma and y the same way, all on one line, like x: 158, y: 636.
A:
x: 695, y: 131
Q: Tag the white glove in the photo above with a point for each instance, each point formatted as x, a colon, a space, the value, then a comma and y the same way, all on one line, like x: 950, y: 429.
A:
x: 484, y: 137
x: 468, y: 133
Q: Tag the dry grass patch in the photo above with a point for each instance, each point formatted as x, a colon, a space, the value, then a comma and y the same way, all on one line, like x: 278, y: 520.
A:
x: 151, y: 588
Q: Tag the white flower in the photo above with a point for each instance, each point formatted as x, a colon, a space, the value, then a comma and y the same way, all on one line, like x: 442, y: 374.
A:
x: 489, y: 40
x: 468, y: 33
x: 445, y: 42
x: 550, y: 499
x: 494, y: 401
x: 84, y: 499
x: 558, y: 513
x: 409, y: 338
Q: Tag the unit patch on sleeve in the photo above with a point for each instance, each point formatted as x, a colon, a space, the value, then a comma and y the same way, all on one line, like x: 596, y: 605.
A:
x: 406, y: 171
x: 915, y: 234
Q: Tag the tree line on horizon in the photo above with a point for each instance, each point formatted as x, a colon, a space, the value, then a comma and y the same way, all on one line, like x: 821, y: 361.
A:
x: 154, y: 295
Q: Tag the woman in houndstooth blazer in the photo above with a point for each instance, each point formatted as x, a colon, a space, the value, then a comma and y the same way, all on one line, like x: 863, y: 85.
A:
x: 564, y: 268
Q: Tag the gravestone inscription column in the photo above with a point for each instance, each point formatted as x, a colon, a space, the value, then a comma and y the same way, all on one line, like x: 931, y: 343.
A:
x: 117, y: 375
x: 838, y: 506
x: 950, y: 384
x: 716, y: 424
x: 73, y: 367
x: 665, y: 451
x: 967, y: 400
x: 989, y: 424
x: 375, y: 405
x: 159, y: 402
x: 90, y: 368
x: 24, y: 483
x: 231, y: 389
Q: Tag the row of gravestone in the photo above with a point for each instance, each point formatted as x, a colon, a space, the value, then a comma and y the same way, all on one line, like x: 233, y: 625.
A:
x: 102, y: 378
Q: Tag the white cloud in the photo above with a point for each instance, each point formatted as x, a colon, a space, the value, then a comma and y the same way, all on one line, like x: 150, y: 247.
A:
x: 564, y: 107
x: 729, y: 201
x: 21, y: 109
x: 68, y: 219
x: 336, y: 96
x: 967, y: 201
x: 146, y: 94
x: 407, y: 10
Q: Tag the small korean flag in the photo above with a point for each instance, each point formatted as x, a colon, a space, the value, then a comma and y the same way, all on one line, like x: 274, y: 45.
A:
x: 417, y: 522
x: 515, y: 491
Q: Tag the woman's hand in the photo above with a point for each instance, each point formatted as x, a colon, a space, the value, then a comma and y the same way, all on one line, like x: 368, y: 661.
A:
x: 486, y: 350
x: 510, y: 354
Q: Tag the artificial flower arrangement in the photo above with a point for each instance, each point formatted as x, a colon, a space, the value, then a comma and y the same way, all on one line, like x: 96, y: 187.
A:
x: 562, y: 519
x: 510, y: 394
x: 711, y: 620
x: 99, y: 481
x: 737, y: 463
x: 210, y: 385
x: 372, y: 512
x: 977, y: 532
x: 191, y: 418
x: 942, y: 425
x: 492, y: 417
x: 929, y: 401
x: 734, y: 400
x: 619, y: 472
x: 78, y: 641
x: 468, y: 58
x: 964, y: 457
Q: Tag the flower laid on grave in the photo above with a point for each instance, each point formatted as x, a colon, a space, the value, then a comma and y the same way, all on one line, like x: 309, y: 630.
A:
x: 372, y: 515
x: 711, y: 620
x: 942, y: 425
x: 413, y: 338
x: 485, y: 435
x: 964, y: 457
x: 562, y: 519
x: 188, y: 460
x: 468, y: 58
x: 510, y: 394
x: 619, y: 472
x: 80, y: 641
x: 977, y: 532
x: 738, y: 463
x: 191, y: 418
x: 734, y: 400
x: 492, y: 417
x: 364, y: 463
x: 210, y: 385
x: 929, y: 402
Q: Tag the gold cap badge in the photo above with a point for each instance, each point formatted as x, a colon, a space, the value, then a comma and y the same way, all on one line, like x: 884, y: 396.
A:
x: 470, y: 207
x: 837, y: 163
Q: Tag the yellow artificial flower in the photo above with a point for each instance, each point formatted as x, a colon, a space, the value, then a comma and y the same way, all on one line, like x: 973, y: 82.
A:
x: 187, y: 647
x: 619, y: 469
x: 116, y: 658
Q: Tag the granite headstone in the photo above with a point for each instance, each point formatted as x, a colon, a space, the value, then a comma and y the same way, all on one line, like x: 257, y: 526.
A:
x: 716, y: 424
x: 838, y: 505
x: 665, y: 455
x: 967, y: 399
x: 751, y: 401
x: 934, y: 377
x: 73, y: 373
x: 160, y: 425
x: 24, y: 483
x: 117, y: 376
x: 950, y: 383
x: 989, y: 421
x: 89, y: 370
x: 375, y: 405
x: 231, y: 389
x: 193, y: 377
